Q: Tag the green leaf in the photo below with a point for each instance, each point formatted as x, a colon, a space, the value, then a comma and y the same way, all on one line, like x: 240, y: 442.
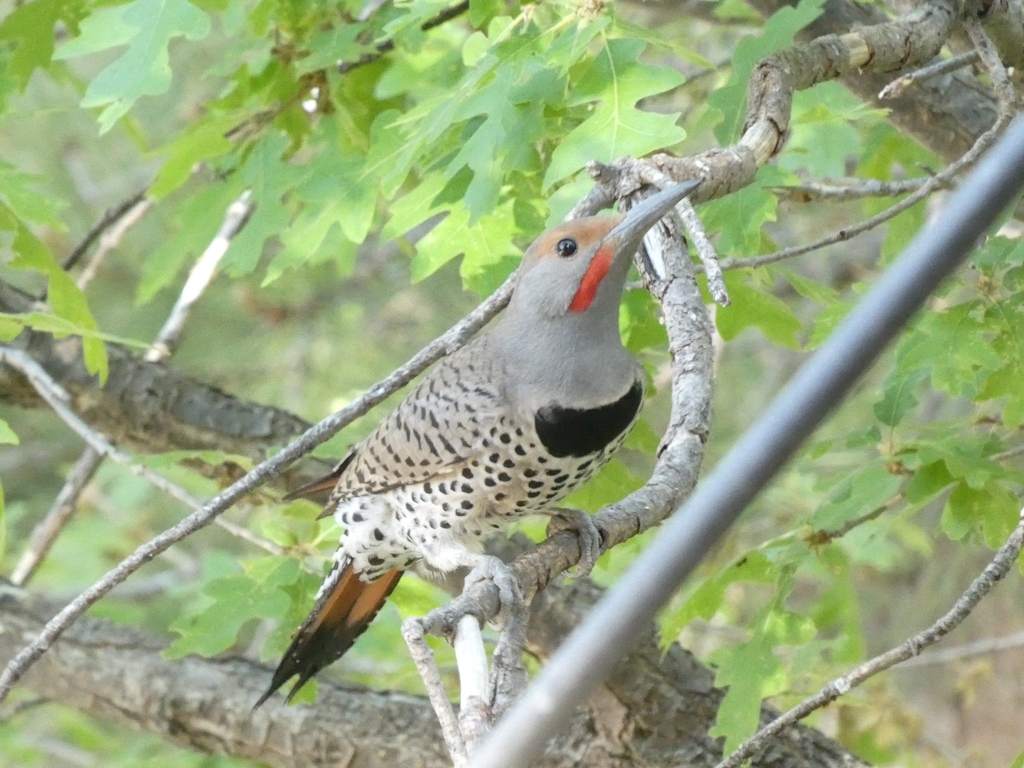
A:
x: 9, y: 328
x: 751, y: 671
x: 739, y: 217
x: 482, y: 245
x: 7, y: 434
x: 203, y: 141
x: 863, y: 491
x: 827, y: 320
x: 617, y: 80
x: 640, y: 322
x: 146, y: 27
x: 999, y: 253
x: 820, y: 293
x: 69, y: 303
x: 753, y: 308
x: 12, y: 325
x: 1008, y: 345
x: 66, y: 300
x: 993, y: 508
x: 415, y: 207
x: 481, y: 11
x: 335, y: 197
x: 511, y: 106
x: 823, y: 130
x: 965, y: 456
x: 953, y: 347
x: 236, y: 600
x: 329, y: 46
x: 24, y: 202
x: 643, y: 438
x: 898, y: 397
x: 611, y: 484
x: 706, y: 599
x: 270, y: 177
x: 928, y: 482
x: 901, y: 230
x: 30, y: 26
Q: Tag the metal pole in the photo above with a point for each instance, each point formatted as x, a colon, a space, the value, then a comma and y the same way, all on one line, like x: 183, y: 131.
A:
x: 586, y: 658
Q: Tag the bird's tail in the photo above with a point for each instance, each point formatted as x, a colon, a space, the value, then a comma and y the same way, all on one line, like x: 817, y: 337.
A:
x: 343, y: 611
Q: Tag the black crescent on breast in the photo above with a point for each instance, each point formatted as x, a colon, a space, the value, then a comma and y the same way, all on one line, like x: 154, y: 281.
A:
x: 573, y: 432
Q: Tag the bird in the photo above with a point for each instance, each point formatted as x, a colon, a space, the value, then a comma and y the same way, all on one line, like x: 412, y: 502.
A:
x: 505, y: 427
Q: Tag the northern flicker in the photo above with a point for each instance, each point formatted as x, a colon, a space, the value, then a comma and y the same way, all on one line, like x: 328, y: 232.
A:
x: 504, y: 428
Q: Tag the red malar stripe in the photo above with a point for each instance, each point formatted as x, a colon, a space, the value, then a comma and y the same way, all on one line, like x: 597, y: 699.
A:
x: 592, y: 280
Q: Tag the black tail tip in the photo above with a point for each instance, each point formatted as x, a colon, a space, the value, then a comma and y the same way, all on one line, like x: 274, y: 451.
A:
x: 263, y: 699
x: 275, y: 684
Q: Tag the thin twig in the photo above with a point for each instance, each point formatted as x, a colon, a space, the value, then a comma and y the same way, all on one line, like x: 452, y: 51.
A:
x: 369, y: 9
x: 935, y: 182
x: 199, y: 278
x: 1001, y: 83
x: 1001, y: 564
x: 820, y: 538
x: 109, y: 217
x: 243, y: 533
x: 967, y: 650
x: 941, y: 67
x: 260, y: 474
x: 423, y: 658
x: 705, y: 252
x: 112, y: 238
x: 694, y: 228
x: 1009, y: 453
x: 46, y: 531
x: 9, y: 713
x: 847, y: 189
x: 471, y: 657
x: 344, y: 67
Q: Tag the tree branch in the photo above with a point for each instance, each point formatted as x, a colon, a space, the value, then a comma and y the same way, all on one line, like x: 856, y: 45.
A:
x: 946, y: 114
x: 108, y: 219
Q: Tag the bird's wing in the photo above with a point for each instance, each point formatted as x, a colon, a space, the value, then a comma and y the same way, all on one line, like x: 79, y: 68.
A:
x: 434, y: 430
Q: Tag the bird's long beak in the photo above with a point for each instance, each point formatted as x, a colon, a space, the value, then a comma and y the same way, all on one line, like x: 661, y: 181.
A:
x: 626, y: 235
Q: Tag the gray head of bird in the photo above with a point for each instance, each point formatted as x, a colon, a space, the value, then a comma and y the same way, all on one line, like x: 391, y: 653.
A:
x: 578, y: 269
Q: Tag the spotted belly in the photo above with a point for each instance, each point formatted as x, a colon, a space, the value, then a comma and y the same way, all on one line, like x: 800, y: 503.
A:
x: 442, y: 523
x: 438, y: 523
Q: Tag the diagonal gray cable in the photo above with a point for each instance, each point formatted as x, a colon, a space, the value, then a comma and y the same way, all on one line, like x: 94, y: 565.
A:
x: 585, y: 659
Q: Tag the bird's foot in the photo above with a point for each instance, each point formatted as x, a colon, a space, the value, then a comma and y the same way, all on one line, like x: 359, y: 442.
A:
x: 588, y: 535
x: 510, y: 596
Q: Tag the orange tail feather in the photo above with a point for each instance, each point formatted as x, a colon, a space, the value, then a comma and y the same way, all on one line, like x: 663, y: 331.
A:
x: 342, y: 614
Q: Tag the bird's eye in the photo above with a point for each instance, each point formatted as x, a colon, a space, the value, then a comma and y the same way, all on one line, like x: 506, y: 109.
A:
x: 566, y: 247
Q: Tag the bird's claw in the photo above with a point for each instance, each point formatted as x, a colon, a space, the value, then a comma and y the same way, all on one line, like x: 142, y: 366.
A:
x: 510, y: 596
x: 588, y: 534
